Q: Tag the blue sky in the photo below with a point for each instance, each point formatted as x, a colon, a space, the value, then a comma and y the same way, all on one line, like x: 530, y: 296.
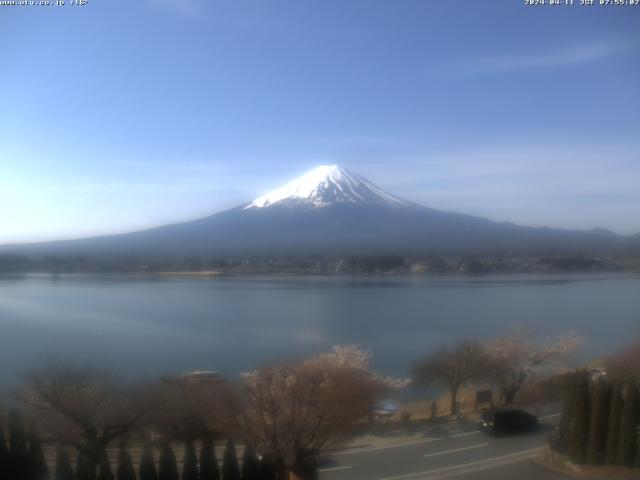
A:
x: 121, y: 115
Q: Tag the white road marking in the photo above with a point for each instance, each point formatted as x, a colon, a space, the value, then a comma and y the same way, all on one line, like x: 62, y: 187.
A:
x: 463, y: 465
x: 398, y: 445
x: 462, y: 449
x: 484, y: 467
x: 334, y: 469
x: 418, y: 442
x: 550, y: 416
x: 465, y: 434
x: 373, y: 449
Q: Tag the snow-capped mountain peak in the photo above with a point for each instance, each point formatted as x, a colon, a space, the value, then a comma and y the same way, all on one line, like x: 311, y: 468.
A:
x: 326, y: 185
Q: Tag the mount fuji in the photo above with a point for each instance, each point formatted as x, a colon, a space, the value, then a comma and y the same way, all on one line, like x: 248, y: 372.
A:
x: 331, y: 210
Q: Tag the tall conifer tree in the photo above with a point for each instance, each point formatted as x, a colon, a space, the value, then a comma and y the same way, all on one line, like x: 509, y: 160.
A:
x: 168, y: 467
x: 615, y: 417
x: 628, y: 443
x: 104, y: 468
x: 4, y: 456
x: 18, y: 451
x: 230, y: 468
x: 148, y: 465
x: 63, y: 466
x: 267, y: 469
x: 560, y: 440
x: 208, y: 463
x: 601, y: 399
x: 37, y: 464
x: 250, y: 464
x: 125, y: 470
x: 579, y: 424
x: 190, y: 462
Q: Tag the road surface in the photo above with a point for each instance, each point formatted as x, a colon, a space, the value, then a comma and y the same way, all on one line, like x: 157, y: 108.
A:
x: 466, y: 455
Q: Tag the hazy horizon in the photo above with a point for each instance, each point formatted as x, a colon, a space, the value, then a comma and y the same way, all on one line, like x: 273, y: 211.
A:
x: 188, y: 220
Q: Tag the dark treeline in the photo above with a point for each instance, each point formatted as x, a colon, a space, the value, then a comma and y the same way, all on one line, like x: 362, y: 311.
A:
x: 22, y: 458
x: 437, y: 264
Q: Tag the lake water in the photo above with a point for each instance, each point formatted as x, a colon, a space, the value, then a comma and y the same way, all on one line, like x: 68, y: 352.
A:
x: 151, y: 325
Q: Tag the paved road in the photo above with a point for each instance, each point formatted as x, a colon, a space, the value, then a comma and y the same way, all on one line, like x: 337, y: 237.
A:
x: 463, y: 455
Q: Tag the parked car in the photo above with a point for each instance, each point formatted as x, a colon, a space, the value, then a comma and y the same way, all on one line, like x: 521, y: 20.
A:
x: 508, y: 421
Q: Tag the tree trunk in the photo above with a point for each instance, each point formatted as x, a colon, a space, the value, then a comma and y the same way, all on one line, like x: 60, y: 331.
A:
x: 453, y: 390
x: 509, y: 395
x: 281, y: 470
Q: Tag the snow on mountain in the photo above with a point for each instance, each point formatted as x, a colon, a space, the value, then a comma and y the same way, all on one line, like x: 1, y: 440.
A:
x: 326, y: 185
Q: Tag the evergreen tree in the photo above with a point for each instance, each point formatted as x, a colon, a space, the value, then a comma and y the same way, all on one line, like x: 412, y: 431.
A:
x: 267, y: 469
x: 230, y: 468
x: 601, y: 399
x: 4, y: 456
x: 104, y: 468
x: 250, y: 464
x: 615, y: 417
x: 80, y: 467
x: 18, y: 451
x: 208, y: 462
x: 63, y: 466
x: 168, y: 468
x: 559, y: 440
x: 628, y: 443
x: 148, y: 465
x: 125, y: 470
x: 37, y: 464
x: 579, y: 423
x: 190, y: 462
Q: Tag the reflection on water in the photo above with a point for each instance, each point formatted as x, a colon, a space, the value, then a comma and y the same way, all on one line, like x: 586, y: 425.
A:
x: 147, y: 325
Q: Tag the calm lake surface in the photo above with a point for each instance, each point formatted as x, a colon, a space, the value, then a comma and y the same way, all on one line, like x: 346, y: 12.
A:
x: 151, y: 325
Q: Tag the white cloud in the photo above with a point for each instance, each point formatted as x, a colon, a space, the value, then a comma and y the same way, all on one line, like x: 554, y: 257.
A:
x: 553, y: 57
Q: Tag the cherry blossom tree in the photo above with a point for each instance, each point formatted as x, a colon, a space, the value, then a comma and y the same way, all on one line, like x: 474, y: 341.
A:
x: 519, y: 357
x: 293, y: 411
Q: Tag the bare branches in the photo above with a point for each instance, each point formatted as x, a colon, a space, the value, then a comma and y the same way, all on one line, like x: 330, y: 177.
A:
x: 84, y: 407
x: 305, y: 407
x: 518, y: 358
x: 453, y: 367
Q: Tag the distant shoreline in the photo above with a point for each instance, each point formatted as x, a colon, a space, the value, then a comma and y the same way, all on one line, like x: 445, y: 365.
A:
x: 185, y: 273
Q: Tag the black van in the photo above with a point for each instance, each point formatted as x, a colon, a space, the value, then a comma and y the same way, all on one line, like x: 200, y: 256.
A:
x: 508, y: 421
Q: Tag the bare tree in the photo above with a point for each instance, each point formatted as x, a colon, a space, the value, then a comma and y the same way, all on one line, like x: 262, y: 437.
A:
x: 192, y: 410
x: 518, y: 358
x: 453, y: 367
x: 84, y: 407
x: 293, y: 411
